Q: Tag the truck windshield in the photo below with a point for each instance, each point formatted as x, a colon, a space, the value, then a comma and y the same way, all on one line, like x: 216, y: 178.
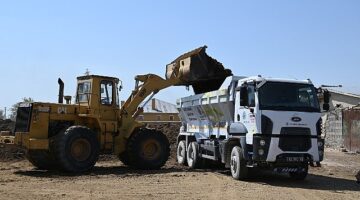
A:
x: 288, y: 97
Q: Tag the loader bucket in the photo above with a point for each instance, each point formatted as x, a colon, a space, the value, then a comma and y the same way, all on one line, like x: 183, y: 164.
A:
x: 199, y: 70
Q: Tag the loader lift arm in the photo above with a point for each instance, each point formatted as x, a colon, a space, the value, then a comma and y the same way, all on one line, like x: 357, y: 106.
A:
x: 194, y: 68
x: 146, y: 85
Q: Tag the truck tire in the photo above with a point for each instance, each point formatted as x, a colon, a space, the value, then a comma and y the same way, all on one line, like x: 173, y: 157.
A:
x: 181, y: 152
x: 76, y: 149
x: 41, y: 159
x: 148, y: 149
x: 238, y: 168
x: 192, y: 156
x: 300, y: 176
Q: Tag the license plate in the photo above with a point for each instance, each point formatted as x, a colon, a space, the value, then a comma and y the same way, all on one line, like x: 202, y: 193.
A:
x: 295, y: 159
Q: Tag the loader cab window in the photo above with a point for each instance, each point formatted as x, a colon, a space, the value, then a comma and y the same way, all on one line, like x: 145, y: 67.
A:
x: 83, y: 92
x: 106, y: 96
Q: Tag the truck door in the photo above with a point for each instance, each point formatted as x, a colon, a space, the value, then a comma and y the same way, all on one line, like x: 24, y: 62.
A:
x: 246, y: 113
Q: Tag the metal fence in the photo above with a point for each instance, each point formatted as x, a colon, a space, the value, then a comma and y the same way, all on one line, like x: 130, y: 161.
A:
x: 351, y: 129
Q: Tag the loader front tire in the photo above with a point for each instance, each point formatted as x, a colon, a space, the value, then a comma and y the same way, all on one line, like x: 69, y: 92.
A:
x: 41, y: 159
x: 76, y: 149
x: 148, y: 149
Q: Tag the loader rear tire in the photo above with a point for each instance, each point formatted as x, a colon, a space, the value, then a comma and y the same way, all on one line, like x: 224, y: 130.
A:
x: 124, y: 158
x: 76, y: 149
x: 148, y: 149
x: 41, y: 159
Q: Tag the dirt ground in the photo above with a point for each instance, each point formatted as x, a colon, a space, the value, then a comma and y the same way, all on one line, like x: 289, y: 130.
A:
x: 111, y: 180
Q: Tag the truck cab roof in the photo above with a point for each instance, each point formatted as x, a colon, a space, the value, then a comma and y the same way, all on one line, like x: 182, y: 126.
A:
x: 284, y: 80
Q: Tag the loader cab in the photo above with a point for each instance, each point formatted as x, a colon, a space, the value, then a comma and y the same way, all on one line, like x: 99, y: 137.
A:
x: 100, y: 93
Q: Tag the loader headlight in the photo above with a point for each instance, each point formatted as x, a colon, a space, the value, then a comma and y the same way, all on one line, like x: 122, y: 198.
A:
x: 262, y: 142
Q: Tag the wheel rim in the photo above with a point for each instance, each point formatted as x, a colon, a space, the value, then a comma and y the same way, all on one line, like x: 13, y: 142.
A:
x: 234, y: 164
x: 181, y: 151
x: 151, y: 149
x: 80, y: 149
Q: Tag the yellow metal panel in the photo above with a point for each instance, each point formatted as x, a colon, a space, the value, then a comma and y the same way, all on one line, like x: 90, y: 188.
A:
x: 38, y: 144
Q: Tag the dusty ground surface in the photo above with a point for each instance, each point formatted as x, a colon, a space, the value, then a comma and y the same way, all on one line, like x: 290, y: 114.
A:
x: 111, y: 180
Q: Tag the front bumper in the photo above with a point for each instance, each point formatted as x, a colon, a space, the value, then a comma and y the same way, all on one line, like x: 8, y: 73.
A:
x: 266, y: 149
x: 22, y: 139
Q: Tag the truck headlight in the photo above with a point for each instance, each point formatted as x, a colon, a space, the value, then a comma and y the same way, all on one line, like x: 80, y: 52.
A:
x: 262, y: 142
x: 320, y: 144
x: 261, y: 152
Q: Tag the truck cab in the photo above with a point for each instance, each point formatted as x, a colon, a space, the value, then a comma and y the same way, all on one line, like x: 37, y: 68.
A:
x: 253, y: 122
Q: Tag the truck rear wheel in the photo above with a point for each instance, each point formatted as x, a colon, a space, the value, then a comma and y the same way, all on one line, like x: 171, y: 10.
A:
x: 76, y: 149
x: 301, y: 175
x: 181, y: 152
x: 192, y: 156
x: 148, y: 149
x: 238, y: 168
x: 41, y: 159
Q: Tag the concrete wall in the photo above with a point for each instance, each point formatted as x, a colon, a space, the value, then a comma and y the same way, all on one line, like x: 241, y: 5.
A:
x: 333, y: 129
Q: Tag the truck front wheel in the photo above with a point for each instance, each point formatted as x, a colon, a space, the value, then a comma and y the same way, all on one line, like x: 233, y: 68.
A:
x: 181, y: 152
x: 238, y: 168
x: 300, y: 175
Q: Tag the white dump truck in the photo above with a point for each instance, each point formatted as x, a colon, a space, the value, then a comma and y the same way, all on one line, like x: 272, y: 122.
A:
x: 253, y: 122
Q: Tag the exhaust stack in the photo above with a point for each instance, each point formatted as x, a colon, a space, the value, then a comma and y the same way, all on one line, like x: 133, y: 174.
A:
x: 61, y: 91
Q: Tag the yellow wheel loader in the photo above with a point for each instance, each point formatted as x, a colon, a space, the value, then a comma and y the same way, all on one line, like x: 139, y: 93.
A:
x: 70, y: 137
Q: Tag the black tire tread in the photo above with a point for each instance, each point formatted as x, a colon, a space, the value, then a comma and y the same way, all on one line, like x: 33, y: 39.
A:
x: 133, y: 147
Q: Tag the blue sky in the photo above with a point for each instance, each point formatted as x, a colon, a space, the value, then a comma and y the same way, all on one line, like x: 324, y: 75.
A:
x: 43, y: 40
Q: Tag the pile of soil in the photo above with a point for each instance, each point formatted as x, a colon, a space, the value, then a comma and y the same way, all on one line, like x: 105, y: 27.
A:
x: 9, y: 152
x: 6, y: 125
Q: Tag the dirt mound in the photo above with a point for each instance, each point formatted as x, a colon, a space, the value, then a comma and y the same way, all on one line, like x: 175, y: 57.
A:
x: 10, y: 152
x: 6, y: 125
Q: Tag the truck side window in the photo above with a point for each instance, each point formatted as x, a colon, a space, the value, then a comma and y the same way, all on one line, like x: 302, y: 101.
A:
x: 106, y: 92
x: 251, y: 94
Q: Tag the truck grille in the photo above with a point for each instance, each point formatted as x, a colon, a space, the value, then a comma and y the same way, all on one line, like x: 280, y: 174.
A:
x: 23, y: 116
x: 295, y: 139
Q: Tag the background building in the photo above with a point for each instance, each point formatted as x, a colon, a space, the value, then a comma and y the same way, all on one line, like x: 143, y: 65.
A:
x: 342, y: 122
x: 159, y: 111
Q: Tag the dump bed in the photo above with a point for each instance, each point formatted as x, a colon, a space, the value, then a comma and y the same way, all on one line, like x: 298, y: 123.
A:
x: 208, y: 113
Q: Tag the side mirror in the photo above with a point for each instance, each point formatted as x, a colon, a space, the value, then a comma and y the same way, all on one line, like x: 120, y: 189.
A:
x: 326, y: 105
x: 120, y: 86
x: 244, y: 98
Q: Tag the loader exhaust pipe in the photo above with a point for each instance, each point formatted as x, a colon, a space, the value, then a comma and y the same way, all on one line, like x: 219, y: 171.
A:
x: 61, y: 91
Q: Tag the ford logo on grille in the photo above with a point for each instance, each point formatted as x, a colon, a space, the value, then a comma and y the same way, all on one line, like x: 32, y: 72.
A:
x: 296, y: 119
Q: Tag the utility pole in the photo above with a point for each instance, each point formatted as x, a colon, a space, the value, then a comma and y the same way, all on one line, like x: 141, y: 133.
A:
x: 5, y: 112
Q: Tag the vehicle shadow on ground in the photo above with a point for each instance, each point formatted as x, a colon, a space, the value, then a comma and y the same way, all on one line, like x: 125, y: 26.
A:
x: 122, y: 171
x: 312, y: 182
